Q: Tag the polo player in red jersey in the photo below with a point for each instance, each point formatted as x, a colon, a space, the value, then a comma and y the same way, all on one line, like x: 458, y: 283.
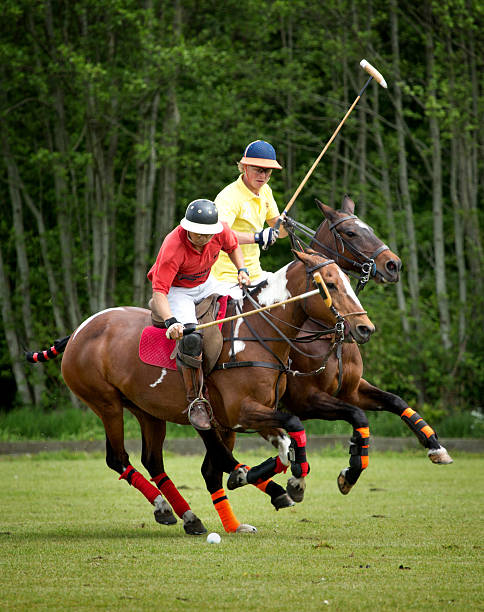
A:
x: 181, y: 279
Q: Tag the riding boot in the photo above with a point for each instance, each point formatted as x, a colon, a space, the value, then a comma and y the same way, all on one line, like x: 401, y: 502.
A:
x: 199, y: 409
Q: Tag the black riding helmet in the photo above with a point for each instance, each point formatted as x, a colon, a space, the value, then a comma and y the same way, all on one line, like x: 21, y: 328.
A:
x: 201, y: 217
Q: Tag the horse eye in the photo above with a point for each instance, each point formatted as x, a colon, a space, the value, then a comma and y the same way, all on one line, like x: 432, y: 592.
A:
x: 350, y: 234
x: 330, y: 285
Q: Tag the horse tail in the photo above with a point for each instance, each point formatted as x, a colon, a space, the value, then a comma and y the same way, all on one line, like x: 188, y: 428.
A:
x: 58, y: 347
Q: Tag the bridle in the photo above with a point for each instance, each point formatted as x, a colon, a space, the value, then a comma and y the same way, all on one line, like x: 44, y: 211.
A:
x: 365, y: 265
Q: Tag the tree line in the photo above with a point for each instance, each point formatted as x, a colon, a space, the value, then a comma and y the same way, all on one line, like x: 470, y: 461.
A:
x: 117, y: 113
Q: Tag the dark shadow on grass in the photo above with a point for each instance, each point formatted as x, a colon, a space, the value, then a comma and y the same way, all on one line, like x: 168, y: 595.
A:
x: 78, y: 534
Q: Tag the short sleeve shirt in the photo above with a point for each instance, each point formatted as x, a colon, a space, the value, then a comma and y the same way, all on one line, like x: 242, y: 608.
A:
x: 180, y: 264
x: 243, y: 211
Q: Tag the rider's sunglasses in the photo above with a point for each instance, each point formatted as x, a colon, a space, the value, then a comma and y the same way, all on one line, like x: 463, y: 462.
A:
x: 260, y: 171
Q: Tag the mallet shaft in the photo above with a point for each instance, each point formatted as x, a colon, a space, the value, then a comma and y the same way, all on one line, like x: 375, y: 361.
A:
x: 251, y: 312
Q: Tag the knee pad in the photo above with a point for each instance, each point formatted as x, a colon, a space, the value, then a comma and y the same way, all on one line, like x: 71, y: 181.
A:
x: 191, y: 344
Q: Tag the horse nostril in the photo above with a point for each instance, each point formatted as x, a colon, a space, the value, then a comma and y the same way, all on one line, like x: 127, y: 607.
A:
x: 364, y: 331
x: 393, y: 266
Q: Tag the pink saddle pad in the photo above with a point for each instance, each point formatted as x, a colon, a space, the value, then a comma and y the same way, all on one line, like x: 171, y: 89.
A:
x: 155, y: 348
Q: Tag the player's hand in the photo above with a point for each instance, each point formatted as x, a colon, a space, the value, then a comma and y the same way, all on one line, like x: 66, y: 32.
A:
x: 243, y: 277
x: 266, y: 238
x: 175, y: 330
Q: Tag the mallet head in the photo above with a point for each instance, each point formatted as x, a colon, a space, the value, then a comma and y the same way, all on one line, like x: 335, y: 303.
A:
x: 372, y: 71
x: 323, y: 290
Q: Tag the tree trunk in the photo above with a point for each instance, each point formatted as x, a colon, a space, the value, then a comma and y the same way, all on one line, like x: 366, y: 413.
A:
x: 411, y: 241
x: 387, y: 195
x: 23, y: 285
x: 14, y: 349
x: 437, y: 205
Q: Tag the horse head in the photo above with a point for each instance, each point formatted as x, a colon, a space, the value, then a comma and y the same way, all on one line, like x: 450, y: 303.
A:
x: 344, y: 302
x: 355, y: 243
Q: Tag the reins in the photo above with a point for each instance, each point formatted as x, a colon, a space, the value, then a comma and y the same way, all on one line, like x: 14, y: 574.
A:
x: 338, y: 332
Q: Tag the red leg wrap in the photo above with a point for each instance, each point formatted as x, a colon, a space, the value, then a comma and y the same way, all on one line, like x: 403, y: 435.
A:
x: 280, y: 467
x: 299, y: 437
x: 138, y: 481
x: 176, y: 501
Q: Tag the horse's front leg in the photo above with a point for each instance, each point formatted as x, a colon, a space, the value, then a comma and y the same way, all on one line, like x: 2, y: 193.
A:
x: 372, y: 398
x: 292, y: 450
x: 219, y: 459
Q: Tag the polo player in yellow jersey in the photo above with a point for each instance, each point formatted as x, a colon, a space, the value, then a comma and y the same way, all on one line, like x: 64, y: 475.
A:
x: 246, y: 205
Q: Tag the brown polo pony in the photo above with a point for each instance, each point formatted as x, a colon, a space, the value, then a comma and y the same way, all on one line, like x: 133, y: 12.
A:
x: 321, y: 373
x: 101, y: 366
x: 357, y: 250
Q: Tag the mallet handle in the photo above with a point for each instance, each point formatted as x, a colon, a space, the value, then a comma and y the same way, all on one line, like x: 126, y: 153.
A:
x: 373, y: 72
x: 251, y: 312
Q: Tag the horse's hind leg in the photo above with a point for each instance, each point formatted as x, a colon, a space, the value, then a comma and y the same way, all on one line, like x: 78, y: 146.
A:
x: 153, y: 433
x: 323, y: 406
x: 372, y: 398
x: 110, y: 410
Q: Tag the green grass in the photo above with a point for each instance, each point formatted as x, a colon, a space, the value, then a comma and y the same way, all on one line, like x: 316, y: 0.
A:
x: 81, y: 424
x: 408, y: 537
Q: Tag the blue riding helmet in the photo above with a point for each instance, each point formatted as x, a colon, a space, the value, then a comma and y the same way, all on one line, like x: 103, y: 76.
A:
x: 262, y: 154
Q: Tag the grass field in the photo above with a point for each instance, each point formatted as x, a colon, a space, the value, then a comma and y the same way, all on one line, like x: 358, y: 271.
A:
x: 408, y: 537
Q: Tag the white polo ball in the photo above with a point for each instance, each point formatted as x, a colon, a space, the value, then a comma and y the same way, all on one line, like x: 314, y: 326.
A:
x: 213, y: 538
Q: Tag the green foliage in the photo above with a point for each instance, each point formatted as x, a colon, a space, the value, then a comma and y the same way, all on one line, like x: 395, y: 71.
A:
x: 74, y: 96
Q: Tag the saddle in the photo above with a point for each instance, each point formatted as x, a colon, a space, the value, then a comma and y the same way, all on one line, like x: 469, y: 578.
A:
x: 158, y: 350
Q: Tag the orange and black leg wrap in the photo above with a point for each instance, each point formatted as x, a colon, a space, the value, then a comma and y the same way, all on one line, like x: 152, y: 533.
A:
x: 225, y: 512
x: 138, y: 481
x: 176, y: 501
x: 425, y: 434
x: 359, y: 446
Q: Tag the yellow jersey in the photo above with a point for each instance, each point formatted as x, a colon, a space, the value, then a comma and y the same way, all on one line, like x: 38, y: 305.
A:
x: 243, y: 211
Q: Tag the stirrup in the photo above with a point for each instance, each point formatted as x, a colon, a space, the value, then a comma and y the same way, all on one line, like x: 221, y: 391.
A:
x: 197, y: 404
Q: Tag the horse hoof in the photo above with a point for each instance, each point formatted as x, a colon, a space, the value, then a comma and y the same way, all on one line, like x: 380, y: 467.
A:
x: 192, y: 524
x: 283, y: 501
x: 343, y: 485
x: 164, y: 517
x: 295, y: 489
x: 440, y: 456
x: 237, y: 478
x: 244, y: 528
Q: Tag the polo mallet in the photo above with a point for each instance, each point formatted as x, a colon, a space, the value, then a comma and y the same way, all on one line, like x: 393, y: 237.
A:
x: 374, y: 74
x: 322, y: 290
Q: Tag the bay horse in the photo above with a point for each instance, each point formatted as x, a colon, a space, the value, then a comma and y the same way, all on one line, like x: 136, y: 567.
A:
x: 356, y: 248
x: 311, y: 388
x: 101, y: 366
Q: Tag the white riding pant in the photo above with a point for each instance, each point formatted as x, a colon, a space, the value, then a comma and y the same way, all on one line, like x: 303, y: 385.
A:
x: 234, y: 290
x: 182, y: 300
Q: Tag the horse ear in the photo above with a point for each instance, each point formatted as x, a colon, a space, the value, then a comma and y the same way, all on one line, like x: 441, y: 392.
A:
x: 348, y: 206
x: 328, y: 212
x: 300, y: 255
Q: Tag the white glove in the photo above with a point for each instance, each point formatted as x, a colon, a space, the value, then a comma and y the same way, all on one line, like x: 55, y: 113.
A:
x: 174, y: 331
x: 266, y: 238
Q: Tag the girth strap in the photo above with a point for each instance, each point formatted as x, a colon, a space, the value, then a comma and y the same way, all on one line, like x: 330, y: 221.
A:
x: 249, y: 364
